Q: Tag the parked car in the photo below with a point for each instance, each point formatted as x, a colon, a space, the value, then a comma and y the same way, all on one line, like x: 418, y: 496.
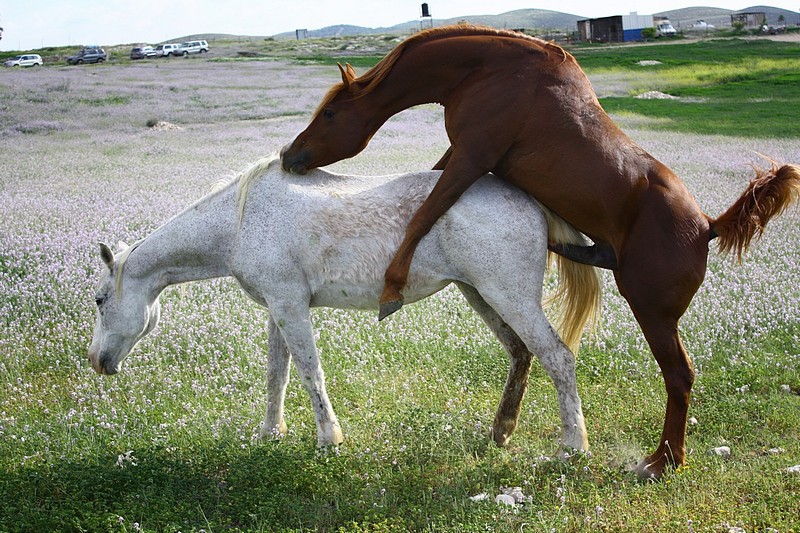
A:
x: 88, y: 55
x: 192, y: 47
x: 665, y: 29
x: 702, y: 25
x: 26, y: 60
x: 166, y: 50
x: 142, y: 52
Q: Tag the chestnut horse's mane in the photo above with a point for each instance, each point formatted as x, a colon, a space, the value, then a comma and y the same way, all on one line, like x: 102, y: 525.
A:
x: 369, y: 80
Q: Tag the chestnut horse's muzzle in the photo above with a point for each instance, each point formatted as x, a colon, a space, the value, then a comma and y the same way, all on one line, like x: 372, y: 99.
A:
x: 294, y: 160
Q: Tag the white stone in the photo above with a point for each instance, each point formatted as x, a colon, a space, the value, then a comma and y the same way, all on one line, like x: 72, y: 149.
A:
x: 721, y: 451
x: 505, y: 499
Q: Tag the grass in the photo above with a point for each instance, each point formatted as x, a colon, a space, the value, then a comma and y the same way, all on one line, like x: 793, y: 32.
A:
x: 729, y: 87
x: 169, y: 444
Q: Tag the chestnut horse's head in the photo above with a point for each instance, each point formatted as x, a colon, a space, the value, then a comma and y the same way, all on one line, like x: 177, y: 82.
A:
x: 340, y: 128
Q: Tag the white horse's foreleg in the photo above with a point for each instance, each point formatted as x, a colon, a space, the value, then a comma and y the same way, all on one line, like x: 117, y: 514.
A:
x: 295, y: 325
x: 277, y: 380
x: 520, y: 358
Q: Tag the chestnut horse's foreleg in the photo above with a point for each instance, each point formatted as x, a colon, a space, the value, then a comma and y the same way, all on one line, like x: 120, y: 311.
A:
x: 455, y: 179
x: 444, y: 159
x: 277, y: 380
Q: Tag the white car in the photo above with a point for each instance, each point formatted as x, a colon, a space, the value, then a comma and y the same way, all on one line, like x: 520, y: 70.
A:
x: 26, y: 60
x: 168, y: 49
x: 192, y: 47
x: 702, y: 25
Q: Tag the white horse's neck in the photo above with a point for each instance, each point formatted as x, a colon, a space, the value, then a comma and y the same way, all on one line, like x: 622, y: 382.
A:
x: 194, y: 245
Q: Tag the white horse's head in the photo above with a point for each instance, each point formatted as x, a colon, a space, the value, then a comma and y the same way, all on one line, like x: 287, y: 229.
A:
x: 123, y: 316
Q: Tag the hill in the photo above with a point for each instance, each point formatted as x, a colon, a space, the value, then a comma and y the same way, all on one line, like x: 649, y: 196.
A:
x: 682, y: 19
x: 529, y: 19
x: 539, y: 21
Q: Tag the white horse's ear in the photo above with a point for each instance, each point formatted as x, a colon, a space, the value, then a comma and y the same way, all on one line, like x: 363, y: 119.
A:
x: 121, y: 246
x: 107, y: 255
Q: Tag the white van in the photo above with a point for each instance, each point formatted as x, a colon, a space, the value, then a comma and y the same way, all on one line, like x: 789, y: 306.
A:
x: 166, y: 50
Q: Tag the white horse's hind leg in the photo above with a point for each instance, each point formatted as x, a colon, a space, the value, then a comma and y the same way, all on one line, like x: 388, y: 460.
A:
x: 507, y: 416
x: 559, y: 363
x: 277, y: 380
x: 295, y: 325
x: 527, y: 321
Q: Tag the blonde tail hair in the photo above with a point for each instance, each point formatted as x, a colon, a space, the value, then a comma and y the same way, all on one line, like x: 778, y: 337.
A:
x: 578, y: 297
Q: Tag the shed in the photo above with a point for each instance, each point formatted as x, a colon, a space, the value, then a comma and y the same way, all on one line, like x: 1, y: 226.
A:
x: 615, y: 29
x: 751, y: 20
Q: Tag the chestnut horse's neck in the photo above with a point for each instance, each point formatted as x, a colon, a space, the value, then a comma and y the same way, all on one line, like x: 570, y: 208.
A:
x: 431, y: 66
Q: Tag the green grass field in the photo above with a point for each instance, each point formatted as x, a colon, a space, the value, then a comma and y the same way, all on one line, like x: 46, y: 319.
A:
x: 169, y: 444
x: 733, y: 87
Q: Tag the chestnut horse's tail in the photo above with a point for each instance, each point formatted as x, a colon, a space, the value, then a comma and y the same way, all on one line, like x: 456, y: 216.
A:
x: 768, y: 195
x: 578, y: 296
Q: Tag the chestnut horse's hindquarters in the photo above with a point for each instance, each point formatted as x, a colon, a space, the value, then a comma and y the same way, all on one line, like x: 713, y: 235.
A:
x: 768, y: 195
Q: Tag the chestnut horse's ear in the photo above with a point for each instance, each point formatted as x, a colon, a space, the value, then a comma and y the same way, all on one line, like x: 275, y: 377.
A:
x: 348, y: 74
x: 107, y: 255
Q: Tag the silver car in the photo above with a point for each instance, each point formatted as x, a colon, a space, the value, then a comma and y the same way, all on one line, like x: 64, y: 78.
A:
x: 26, y: 60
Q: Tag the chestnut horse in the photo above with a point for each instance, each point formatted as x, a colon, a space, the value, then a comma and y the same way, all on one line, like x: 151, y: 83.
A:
x: 523, y: 109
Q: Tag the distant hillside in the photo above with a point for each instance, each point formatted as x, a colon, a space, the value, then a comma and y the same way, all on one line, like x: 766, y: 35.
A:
x: 540, y: 21
x: 529, y: 19
x: 790, y: 18
x: 721, y: 18
x: 682, y: 19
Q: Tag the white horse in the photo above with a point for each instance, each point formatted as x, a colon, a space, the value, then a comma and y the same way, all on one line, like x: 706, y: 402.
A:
x: 296, y: 242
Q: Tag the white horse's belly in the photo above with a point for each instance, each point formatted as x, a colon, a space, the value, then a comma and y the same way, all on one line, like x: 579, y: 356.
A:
x: 366, y: 296
x: 346, y: 288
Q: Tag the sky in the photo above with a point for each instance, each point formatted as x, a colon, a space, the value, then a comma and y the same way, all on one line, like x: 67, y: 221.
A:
x: 29, y: 24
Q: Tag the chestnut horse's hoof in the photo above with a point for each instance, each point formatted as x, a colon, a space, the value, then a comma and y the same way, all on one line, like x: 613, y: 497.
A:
x: 388, y: 308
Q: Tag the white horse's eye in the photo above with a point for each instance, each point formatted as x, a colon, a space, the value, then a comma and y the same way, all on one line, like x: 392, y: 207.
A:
x: 99, y: 300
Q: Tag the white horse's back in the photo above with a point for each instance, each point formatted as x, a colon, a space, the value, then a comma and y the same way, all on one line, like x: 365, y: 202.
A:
x: 342, y: 231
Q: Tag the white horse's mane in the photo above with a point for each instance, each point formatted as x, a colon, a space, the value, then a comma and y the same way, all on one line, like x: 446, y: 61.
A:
x: 244, y: 179
x: 119, y: 263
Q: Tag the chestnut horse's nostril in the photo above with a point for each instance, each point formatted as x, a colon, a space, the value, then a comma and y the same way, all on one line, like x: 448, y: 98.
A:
x: 294, y: 160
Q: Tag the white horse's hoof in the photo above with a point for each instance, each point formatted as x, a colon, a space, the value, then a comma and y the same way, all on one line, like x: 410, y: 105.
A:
x: 274, y: 432
x: 331, y: 436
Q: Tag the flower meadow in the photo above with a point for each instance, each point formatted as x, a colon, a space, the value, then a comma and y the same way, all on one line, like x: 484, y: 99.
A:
x: 170, y: 443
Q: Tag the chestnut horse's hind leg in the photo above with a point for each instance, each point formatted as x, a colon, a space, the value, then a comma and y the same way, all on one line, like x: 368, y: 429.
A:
x: 658, y: 283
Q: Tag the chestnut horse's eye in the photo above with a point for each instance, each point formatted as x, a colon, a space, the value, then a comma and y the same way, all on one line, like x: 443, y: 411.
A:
x: 328, y: 113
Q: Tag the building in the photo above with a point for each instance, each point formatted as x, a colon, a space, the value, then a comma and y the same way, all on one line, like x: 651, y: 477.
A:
x: 749, y: 20
x: 616, y: 29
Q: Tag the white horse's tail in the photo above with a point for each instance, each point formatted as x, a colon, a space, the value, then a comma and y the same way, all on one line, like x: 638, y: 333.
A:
x: 577, y: 299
